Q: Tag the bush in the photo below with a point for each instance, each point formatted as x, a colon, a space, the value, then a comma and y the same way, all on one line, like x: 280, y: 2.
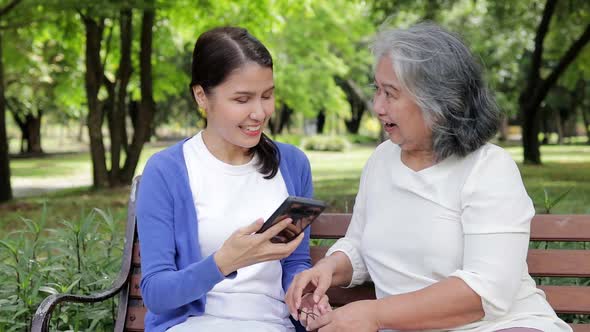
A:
x: 326, y: 143
x: 363, y: 139
x: 289, y: 139
x: 82, y: 257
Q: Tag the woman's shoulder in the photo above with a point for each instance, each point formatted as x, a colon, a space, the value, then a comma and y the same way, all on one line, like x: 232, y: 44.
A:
x: 491, y: 153
x: 491, y: 162
x: 167, y: 157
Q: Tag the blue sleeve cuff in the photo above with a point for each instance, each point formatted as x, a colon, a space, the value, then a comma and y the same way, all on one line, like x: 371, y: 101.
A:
x: 220, y: 276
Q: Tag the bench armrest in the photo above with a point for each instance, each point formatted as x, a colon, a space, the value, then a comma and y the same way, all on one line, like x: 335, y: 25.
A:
x: 40, y: 322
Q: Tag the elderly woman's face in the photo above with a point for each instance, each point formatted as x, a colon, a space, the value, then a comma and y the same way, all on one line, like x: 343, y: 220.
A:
x: 398, y: 112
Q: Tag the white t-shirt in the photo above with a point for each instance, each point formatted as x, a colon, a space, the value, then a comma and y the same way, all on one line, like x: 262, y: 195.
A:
x: 464, y: 217
x: 228, y: 197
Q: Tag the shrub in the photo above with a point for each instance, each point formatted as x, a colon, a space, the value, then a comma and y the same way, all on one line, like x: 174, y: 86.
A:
x: 289, y: 139
x: 363, y: 139
x: 326, y: 143
x: 81, y: 257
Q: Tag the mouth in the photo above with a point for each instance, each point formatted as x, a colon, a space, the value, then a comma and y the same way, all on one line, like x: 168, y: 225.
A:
x: 251, y: 130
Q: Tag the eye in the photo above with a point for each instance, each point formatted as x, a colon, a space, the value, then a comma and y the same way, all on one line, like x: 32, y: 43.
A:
x: 266, y: 97
x: 242, y: 100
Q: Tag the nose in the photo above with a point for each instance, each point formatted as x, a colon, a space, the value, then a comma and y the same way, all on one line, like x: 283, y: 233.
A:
x: 258, y: 113
x: 378, y: 107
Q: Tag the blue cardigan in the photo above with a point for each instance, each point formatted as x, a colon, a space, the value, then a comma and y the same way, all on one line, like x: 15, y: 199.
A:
x: 175, y: 275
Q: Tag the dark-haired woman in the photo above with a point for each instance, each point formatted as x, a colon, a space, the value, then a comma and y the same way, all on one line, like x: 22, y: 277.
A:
x: 201, y: 201
x: 441, y: 221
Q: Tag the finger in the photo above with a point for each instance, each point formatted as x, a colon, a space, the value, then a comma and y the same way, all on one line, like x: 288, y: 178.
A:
x: 321, y: 287
x: 277, y: 228
x: 298, y: 286
x: 252, y: 228
x: 293, y: 244
x: 321, y: 321
x: 289, y: 299
x: 324, y: 304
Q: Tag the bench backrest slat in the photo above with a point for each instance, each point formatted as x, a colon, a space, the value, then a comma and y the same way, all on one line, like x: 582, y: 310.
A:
x: 563, y: 227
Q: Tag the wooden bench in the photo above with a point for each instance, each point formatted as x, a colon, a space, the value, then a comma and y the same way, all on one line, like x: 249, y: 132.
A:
x: 549, y: 263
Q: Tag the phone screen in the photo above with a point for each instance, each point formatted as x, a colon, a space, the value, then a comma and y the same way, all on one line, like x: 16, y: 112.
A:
x: 303, y: 211
x: 302, y: 217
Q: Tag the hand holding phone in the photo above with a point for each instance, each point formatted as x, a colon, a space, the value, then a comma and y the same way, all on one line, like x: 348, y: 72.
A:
x: 303, y: 211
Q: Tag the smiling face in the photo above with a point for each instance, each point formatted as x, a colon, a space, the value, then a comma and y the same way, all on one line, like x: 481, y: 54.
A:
x: 397, y: 111
x: 237, y: 111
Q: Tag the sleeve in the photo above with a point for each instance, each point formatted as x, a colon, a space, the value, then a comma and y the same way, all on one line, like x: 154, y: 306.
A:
x: 496, y: 215
x: 163, y: 286
x: 300, y: 259
x: 350, y: 244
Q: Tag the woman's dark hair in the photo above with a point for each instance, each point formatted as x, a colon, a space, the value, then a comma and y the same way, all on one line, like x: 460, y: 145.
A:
x: 217, y: 53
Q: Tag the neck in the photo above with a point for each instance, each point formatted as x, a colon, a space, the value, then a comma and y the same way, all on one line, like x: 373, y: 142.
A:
x: 225, y: 151
x: 418, y: 160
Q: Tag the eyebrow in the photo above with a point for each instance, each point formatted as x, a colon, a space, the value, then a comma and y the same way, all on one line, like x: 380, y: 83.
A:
x: 386, y: 85
x: 250, y: 93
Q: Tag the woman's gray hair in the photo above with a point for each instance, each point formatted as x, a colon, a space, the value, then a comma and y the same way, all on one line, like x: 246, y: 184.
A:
x: 446, y: 82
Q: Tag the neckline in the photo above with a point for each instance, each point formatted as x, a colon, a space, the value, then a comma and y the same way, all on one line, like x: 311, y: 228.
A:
x: 425, y: 171
x: 205, y: 155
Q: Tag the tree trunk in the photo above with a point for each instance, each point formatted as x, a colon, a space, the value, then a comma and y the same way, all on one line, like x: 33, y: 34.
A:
x: 147, y: 105
x: 536, y: 88
x: 358, y: 103
x: 558, y: 125
x: 530, y: 139
x: 30, y: 128
x: 93, y: 82
x: 33, y: 124
x: 321, y: 121
x: 545, y: 127
x: 586, y: 119
x: 119, y: 109
x: 21, y: 123
x: 5, y: 186
x: 503, y: 137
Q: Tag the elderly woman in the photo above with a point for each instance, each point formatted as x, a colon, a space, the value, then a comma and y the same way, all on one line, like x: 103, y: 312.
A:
x: 441, y: 221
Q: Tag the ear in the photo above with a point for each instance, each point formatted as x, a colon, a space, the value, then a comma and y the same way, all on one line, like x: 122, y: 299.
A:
x: 200, y: 96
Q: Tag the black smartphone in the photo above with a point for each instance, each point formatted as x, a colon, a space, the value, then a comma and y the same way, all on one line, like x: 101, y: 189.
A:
x: 302, y: 210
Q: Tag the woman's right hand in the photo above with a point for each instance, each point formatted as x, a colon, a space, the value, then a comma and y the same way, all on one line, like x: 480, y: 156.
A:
x: 317, y: 280
x: 245, y: 247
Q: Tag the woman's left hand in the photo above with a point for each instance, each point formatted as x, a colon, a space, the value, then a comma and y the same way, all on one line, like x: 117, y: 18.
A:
x: 359, y: 316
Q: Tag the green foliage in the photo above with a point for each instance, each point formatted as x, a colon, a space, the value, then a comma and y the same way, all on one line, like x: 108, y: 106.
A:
x: 326, y: 143
x: 289, y: 139
x: 80, y: 257
x: 549, y: 202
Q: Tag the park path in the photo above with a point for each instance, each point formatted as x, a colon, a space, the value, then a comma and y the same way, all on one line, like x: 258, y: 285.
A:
x: 24, y: 187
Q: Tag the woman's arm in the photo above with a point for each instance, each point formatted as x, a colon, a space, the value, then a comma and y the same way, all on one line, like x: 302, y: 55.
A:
x: 164, y: 287
x: 445, y: 304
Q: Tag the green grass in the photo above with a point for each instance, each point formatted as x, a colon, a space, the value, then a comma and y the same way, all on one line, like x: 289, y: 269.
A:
x: 336, y: 176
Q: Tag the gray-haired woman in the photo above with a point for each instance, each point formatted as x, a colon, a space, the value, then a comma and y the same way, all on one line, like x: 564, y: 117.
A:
x: 441, y: 221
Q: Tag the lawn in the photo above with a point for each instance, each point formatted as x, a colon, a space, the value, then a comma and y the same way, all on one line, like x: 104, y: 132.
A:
x: 336, y: 177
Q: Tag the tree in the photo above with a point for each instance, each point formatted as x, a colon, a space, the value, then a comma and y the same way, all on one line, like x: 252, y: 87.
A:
x: 115, y: 106
x: 536, y: 88
x: 5, y: 185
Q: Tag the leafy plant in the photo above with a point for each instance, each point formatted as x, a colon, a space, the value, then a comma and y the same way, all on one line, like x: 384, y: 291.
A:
x: 81, y: 257
x: 549, y: 203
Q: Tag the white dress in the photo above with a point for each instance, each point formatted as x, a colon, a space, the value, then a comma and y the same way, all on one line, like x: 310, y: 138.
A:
x: 464, y: 217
